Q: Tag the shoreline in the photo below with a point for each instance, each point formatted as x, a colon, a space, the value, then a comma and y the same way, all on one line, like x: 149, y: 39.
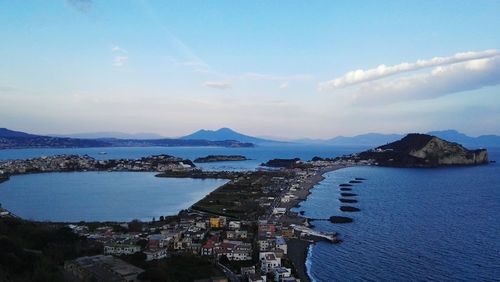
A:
x: 299, y: 249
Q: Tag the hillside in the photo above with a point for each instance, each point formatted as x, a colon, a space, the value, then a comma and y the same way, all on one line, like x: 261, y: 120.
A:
x: 423, y: 150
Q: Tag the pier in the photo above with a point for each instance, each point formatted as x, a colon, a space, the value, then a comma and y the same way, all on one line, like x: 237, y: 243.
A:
x: 303, y: 230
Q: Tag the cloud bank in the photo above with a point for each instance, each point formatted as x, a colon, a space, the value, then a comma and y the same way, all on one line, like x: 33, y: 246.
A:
x: 383, y: 71
x: 440, y: 81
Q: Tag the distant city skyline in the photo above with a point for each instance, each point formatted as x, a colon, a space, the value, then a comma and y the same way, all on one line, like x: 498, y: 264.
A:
x: 294, y: 69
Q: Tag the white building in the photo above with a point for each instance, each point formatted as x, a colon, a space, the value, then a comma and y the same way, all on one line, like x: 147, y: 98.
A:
x: 269, y: 261
x: 121, y: 249
x: 281, y: 272
x: 155, y: 254
x: 279, y: 211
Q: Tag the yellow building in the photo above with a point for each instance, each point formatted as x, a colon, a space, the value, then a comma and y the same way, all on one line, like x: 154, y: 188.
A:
x: 215, y: 222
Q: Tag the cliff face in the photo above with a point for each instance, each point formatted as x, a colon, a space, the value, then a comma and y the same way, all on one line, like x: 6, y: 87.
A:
x: 421, y: 150
x: 442, y: 152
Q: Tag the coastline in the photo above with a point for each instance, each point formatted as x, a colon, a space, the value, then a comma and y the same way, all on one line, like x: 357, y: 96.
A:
x: 299, y: 249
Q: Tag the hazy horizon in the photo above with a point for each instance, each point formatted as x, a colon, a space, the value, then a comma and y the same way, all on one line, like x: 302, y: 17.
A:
x: 285, y: 70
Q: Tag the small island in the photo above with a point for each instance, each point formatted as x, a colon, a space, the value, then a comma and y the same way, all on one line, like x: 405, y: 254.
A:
x: 220, y: 158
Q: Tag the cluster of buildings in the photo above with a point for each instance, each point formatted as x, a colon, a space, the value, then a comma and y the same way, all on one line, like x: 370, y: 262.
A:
x: 260, y: 245
x: 86, y: 163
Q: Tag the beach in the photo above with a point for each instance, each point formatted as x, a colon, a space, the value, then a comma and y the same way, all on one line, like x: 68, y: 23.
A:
x: 297, y: 248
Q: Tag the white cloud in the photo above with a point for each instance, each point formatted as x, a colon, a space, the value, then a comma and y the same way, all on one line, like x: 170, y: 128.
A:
x: 121, y: 56
x: 120, y: 61
x: 118, y: 49
x: 218, y: 84
x: 284, y: 85
x: 383, y: 71
x: 442, y: 80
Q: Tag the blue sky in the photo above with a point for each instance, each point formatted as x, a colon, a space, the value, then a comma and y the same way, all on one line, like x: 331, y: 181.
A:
x: 287, y: 69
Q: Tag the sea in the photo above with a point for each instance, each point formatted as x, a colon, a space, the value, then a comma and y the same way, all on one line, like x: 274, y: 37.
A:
x: 413, y: 225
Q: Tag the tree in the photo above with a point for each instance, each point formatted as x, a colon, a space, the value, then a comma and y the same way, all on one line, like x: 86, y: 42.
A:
x: 135, y: 226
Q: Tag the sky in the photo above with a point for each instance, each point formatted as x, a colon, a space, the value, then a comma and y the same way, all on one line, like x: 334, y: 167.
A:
x: 283, y: 69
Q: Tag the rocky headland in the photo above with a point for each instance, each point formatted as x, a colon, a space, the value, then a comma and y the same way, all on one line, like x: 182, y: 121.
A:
x: 422, y: 150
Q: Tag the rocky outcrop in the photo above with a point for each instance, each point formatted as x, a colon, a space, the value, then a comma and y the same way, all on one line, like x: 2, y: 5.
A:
x: 220, y: 158
x: 340, y: 219
x: 349, y: 209
x: 422, y: 150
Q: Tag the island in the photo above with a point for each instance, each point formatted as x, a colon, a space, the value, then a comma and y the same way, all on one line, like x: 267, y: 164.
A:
x: 220, y: 158
x: 419, y: 150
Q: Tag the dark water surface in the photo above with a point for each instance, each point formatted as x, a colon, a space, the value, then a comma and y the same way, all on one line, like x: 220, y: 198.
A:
x: 101, y: 196
x: 414, y: 225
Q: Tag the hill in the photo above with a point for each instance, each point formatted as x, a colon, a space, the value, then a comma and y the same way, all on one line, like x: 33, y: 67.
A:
x: 112, y: 134
x: 4, y: 132
x: 423, y: 150
x: 225, y: 134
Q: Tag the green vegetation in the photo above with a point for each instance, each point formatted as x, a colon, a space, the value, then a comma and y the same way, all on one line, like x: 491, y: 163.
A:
x: 177, y: 268
x: 240, y: 198
x: 31, y: 251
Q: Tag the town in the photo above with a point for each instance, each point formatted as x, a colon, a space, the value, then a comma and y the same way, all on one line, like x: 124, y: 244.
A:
x: 241, y: 231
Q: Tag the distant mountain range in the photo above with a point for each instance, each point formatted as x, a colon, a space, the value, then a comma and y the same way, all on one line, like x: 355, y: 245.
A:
x: 377, y: 139
x: 221, y: 137
x: 10, y: 139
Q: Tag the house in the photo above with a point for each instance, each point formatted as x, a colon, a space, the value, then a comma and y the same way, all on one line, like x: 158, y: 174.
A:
x: 281, y: 244
x: 281, y: 272
x: 279, y: 211
x: 247, y: 270
x: 234, y: 250
x: 217, y: 222
x: 121, y: 249
x: 155, y: 254
x: 269, y: 261
x: 156, y: 241
x: 265, y: 243
x: 100, y: 268
x: 236, y: 234
x: 234, y: 225
x: 256, y: 278
x: 208, y: 248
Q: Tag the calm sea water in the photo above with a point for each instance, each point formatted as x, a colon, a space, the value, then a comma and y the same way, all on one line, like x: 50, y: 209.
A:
x: 101, y: 196
x: 414, y: 225
x: 257, y: 155
x: 122, y: 196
